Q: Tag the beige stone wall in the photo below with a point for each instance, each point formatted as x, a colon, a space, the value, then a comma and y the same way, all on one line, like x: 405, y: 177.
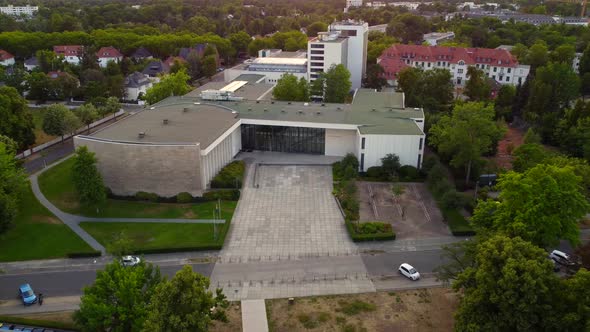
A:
x: 162, y: 169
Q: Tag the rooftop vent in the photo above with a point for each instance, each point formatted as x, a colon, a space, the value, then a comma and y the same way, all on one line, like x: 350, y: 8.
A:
x: 323, y: 104
x: 258, y: 102
x: 283, y: 111
x: 197, y: 103
x: 141, y: 134
x: 266, y: 109
x: 185, y: 109
x: 373, y: 110
x: 305, y: 104
x: 289, y: 103
x: 300, y: 112
x: 249, y: 109
x: 152, y: 108
x: 272, y: 102
x: 318, y: 113
x: 165, y: 121
x: 416, y: 109
x: 339, y: 108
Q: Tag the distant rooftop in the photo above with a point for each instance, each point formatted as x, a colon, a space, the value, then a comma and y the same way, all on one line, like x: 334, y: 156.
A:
x: 248, y: 91
x: 281, y: 61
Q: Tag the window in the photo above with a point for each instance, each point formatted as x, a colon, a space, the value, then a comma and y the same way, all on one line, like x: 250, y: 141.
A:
x: 317, y: 64
x: 362, y: 162
x: 500, y: 78
x: 419, y: 161
x: 507, y: 79
x: 317, y: 58
x: 317, y: 52
x: 363, y: 143
x: 460, y: 71
x: 494, y: 76
x: 459, y: 81
x: 420, y: 145
x: 317, y: 45
x: 509, y: 70
x: 495, y: 69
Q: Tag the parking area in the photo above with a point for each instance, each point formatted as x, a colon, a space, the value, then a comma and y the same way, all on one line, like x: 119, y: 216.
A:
x: 292, y: 214
x: 413, y: 214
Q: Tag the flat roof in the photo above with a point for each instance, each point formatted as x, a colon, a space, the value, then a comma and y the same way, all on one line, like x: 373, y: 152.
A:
x: 280, y: 61
x: 201, y: 124
x: 248, y: 91
x: 250, y: 78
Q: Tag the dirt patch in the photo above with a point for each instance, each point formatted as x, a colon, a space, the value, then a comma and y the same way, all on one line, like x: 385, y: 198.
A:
x: 419, y: 310
x: 189, y: 214
x: 60, y: 316
x: 234, y: 319
x: 513, y: 138
x: 412, y: 212
x: 40, y: 219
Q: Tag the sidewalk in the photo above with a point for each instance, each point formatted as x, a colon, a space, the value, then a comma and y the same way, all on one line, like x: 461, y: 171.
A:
x: 50, y: 304
x: 421, y: 244
x: 393, y: 283
x: 254, y: 316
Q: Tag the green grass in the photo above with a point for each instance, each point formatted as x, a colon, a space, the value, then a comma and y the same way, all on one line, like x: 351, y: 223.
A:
x: 38, y: 322
x: 40, y: 136
x: 57, y: 185
x: 157, y: 235
x: 38, y: 234
x: 457, y: 222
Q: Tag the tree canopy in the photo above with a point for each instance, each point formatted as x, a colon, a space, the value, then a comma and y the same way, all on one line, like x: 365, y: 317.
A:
x: 17, y: 122
x: 170, y: 85
x: 428, y: 89
x: 477, y: 87
x: 86, y: 178
x: 12, y: 183
x: 59, y: 120
x: 337, y: 84
x: 289, y: 88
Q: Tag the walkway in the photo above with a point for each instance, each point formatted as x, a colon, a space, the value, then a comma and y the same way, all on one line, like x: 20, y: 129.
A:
x: 254, y: 316
x: 73, y: 221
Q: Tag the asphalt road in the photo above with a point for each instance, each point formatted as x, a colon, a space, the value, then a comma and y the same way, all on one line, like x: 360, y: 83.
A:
x: 386, y: 264
x: 67, y: 283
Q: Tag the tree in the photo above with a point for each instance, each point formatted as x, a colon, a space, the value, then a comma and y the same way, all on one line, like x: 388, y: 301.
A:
x: 531, y: 136
x: 48, y: 61
x: 59, y: 120
x: 510, y: 288
x: 87, y: 179
x: 531, y: 206
x: 118, y: 299
x: 286, y: 88
x: 528, y: 156
x: 316, y: 88
x: 375, y: 79
x: 39, y: 86
x: 17, y: 122
x: 170, y: 85
x: 390, y: 165
x: 338, y: 84
x: 538, y: 55
x: 303, y: 89
x: 87, y: 114
x: 408, y: 28
x: 184, y: 303
x: 564, y: 53
x: 504, y: 102
x: 10, y: 144
x: 193, y: 65
x: 66, y: 86
x: 209, y: 65
x: 13, y: 181
x: 477, y: 87
x: 585, y: 61
x: 240, y: 41
x: 431, y: 89
x: 458, y: 257
x: 466, y: 135
x: 18, y: 79
x: 111, y: 106
x: 315, y: 27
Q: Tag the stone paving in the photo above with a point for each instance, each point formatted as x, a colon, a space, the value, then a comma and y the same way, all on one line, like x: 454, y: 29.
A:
x: 291, y: 215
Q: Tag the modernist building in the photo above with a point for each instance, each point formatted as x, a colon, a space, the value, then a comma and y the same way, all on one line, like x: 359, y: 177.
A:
x: 272, y: 64
x: 179, y: 144
x: 498, y: 64
x: 344, y: 43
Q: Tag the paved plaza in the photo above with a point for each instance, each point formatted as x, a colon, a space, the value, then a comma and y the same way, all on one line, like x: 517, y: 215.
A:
x: 292, y: 214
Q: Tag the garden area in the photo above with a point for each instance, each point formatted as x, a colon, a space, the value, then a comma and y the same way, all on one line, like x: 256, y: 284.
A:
x: 38, y: 234
x: 57, y: 185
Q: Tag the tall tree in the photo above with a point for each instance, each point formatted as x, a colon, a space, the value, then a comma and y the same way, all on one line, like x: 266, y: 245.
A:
x: 338, y: 84
x: 209, y: 65
x: 409, y: 28
x: 170, y: 85
x: 39, y: 86
x: 538, y: 55
x: 375, y: 79
x: 531, y: 206
x: 504, y: 102
x: 466, y: 135
x: 286, y: 88
x: 477, y: 87
x: 240, y: 41
x: 316, y: 88
x: 59, y: 120
x: 510, y: 288
x: 87, y: 179
x: 390, y: 165
x: 564, y: 53
x: 12, y: 183
x: 87, y: 114
x: 17, y: 122
x: 302, y: 89
x: 118, y: 299
x: 49, y: 61
x: 184, y: 303
x: 315, y: 27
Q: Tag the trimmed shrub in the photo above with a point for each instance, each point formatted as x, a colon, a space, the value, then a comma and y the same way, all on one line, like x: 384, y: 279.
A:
x: 175, y: 249
x: 224, y: 195
x: 429, y: 162
x: 346, y: 169
x: 376, y: 172
x: 230, y: 177
x: 453, y: 199
x: 373, y: 227
x: 145, y: 196
x: 184, y: 198
x: 94, y: 253
x: 356, y: 237
x: 409, y: 173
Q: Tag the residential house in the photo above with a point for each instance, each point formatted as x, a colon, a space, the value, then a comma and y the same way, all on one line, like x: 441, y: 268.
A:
x: 155, y: 69
x: 107, y: 54
x: 199, y: 50
x: 71, y: 53
x: 136, y: 84
x: 31, y: 63
x: 6, y: 59
x: 141, y: 54
x: 497, y: 64
x: 172, y: 59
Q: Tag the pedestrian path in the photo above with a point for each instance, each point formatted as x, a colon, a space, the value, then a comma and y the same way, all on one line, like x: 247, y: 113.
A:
x: 254, y: 316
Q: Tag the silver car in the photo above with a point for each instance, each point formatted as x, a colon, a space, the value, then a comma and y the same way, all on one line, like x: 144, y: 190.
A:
x: 130, y: 260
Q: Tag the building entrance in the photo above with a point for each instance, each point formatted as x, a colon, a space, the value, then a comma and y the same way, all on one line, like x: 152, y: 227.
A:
x: 284, y: 139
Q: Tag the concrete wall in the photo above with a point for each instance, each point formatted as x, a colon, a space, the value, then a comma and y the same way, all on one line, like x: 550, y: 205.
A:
x: 163, y: 169
x: 340, y: 142
x: 221, y: 154
x: 406, y: 147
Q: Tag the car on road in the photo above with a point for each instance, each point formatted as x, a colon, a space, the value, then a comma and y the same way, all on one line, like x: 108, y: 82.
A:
x: 220, y: 69
x: 409, y: 271
x: 25, y: 292
x: 130, y: 260
x: 562, y: 258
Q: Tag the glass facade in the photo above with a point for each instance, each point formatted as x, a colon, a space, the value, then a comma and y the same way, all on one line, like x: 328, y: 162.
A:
x: 284, y: 139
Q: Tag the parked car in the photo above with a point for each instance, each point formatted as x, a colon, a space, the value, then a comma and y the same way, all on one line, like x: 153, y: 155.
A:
x: 25, y: 292
x: 130, y: 260
x: 562, y: 258
x: 409, y: 271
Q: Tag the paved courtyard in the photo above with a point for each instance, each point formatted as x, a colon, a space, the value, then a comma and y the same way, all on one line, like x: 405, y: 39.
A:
x: 291, y: 215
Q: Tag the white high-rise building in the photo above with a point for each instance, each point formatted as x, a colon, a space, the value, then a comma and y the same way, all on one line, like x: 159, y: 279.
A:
x: 344, y: 43
x: 19, y: 10
x: 354, y: 3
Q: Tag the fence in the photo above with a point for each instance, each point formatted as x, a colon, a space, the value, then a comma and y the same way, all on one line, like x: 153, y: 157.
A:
x: 58, y: 140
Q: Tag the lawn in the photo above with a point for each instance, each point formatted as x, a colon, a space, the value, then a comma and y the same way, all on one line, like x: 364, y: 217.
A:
x: 40, y: 136
x: 38, y: 234
x: 150, y: 236
x: 56, y: 184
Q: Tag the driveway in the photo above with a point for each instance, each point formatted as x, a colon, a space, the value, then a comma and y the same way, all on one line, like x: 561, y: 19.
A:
x: 292, y: 214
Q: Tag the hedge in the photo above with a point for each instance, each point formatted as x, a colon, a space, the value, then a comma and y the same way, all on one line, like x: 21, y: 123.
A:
x: 176, y: 249
x: 356, y: 237
x: 86, y: 254
x: 230, y: 177
x: 38, y: 322
x: 226, y: 195
x: 213, y: 195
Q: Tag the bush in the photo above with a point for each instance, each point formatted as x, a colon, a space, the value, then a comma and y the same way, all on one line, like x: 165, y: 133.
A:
x: 184, y: 198
x: 372, y: 227
x: 230, y: 177
x: 94, y: 253
x: 409, y: 173
x: 453, y: 199
x: 376, y: 172
x: 346, y: 169
x: 356, y: 237
x: 429, y: 162
x: 145, y: 196
x: 175, y: 249
x: 224, y: 195
x: 441, y: 187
